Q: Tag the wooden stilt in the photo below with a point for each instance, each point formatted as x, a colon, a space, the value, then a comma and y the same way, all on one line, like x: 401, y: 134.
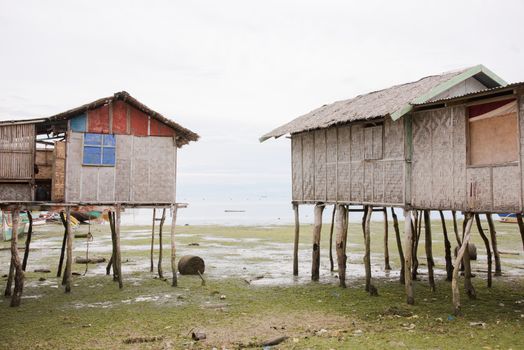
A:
x: 342, y: 233
x: 160, y: 244
x: 460, y: 254
x: 331, y: 264
x: 113, y: 260
x: 118, y: 257
x: 447, y: 248
x: 408, y: 248
x: 468, y: 286
x: 9, y: 285
x: 151, y: 268
x: 416, y: 238
x: 19, y: 273
x: 429, y: 251
x: 28, y: 239
x: 173, y: 246
x: 367, y: 255
x: 521, y: 228
x: 109, y: 265
x: 487, y: 245
x: 317, y: 227
x: 399, y: 244
x: 64, y: 240
x: 387, y: 266
x: 295, y: 245
x: 455, y: 227
x: 69, y: 255
x: 494, y: 245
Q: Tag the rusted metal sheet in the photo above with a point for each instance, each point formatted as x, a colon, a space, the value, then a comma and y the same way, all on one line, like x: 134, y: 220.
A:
x: 120, y: 117
x: 158, y: 128
x: 98, y: 120
x: 139, y: 122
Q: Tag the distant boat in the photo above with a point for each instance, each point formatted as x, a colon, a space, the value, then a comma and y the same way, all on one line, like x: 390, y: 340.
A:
x: 234, y: 211
x: 6, y: 225
x: 507, y: 217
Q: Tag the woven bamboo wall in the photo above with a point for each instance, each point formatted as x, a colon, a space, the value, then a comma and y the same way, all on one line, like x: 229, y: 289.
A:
x: 355, y: 163
x: 17, y: 144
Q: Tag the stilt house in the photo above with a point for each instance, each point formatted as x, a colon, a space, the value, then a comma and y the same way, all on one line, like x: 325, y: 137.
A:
x: 411, y: 146
x: 112, y: 153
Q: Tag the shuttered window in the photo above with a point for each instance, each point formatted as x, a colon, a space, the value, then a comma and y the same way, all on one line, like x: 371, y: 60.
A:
x: 99, y: 149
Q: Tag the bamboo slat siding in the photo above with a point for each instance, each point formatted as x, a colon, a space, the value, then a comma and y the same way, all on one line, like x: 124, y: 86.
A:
x: 332, y: 164
x: 17, y: 144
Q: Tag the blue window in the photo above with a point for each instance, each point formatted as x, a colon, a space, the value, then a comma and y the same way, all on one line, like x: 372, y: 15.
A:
x: 99, y: 149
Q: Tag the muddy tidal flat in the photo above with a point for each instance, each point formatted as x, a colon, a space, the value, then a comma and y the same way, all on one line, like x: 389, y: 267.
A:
x: 250, y: 295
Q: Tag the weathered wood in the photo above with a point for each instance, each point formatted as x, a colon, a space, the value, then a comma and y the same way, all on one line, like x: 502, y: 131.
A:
x: 429, y: 251
x: 82, y: 260
x: 455, y: 227
x: 468, y: 286
x: 387, y: 266
x: 160, y: 244
x: 19, y: 273
x: 317, y: 227
x: 331, y: 264
x: 28, y: 239
x: 9, y: 284
x: 521, y: 228
x: 64, y: 241
x: 173, y: 245
x: 295, y: 244
x: 461, y: 253
x: 408, y: 249
x: 416, y: 238
x: 399, y: 244
x: 342, y: 232
x: 447, y: 248
x: 111, y: 216
x: 118, y: 256
x: 487, y: 245
x: 151, y: 268
x: 109, y: 265
x: 494, y: 245
x: 69, y: 255
x: 367, y: 254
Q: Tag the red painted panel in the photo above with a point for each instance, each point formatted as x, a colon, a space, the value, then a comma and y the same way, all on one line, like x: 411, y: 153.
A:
x: 160, y: 129
x: 138, y: 122
x: 98, y: 120
x: 119, y: 117
x: 477, y: 110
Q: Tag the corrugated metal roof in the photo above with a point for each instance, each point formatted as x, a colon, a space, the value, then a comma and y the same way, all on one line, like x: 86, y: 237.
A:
x: 394, y: 101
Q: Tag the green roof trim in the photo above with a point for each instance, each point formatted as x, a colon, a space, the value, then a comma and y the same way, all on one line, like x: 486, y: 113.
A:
x: 446, y: 86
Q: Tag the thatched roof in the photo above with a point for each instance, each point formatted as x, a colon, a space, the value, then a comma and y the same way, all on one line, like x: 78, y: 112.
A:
x: 184, y: 135
x: 393, y: 102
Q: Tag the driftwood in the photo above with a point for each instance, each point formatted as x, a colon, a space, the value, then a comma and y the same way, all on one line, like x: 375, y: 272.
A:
x: 43, y: 270
x: 82, y: 260
x: 429, y: 251
x: 342, y: 233
x: 447, y: 248
x: 494, y: 245
x: 408, y: 244
x: 331, y: 265
x: 399, y: 244
x: 487, y: 245
x: 317, y: 227
x: 191, y: 265
x: 296, y: 241
x: 387, y: 266
x: 28, y: 240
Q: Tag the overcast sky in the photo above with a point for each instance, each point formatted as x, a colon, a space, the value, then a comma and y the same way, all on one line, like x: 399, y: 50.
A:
x: 233, y: 70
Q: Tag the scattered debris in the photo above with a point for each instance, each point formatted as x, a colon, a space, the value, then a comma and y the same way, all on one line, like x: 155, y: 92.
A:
x: 222, y: 297
x: 275, y: 341
x: 408, y: 326
x: 135, y: 340
x: 477, y: 324
x: 396, y: 311
x: 41, y: 279
x: 43, y: 270
x: 196, y: 336
x: 194, y: 244
x: 81, y: 260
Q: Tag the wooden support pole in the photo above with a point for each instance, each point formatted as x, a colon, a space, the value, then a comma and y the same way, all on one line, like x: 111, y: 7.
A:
x: 64, y: 240
x: 160, y: 244
x: 331, y: 264
x: 367, y: 255
x: 387, y: 266
x: 494, y: 245
x: 10, y: 277
x: 151, y: 268
x: 295, y: 245
x: 521, y: 228
x: 447, y: 249
x: 408, y: 249
x: 69, y: 255
x: 342, y: 233
x: 317, y: 227
x: 460, y: 254
x: 15, y: 258
x: 109, y: 265
x: 468, y: 286
x: 399, y: 245
x: 487, y: 245
x: 113, y: 261
x: 455, y: 227
x: 118, y: 257
x: 28, y: 240
x: 429, y: 251
x: 173, y: 246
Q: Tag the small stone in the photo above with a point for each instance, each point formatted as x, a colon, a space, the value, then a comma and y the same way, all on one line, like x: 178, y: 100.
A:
x: 222, y: 297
